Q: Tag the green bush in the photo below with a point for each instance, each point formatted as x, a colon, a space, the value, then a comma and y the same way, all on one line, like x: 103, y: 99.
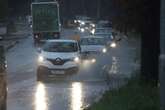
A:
x: 134, y: 96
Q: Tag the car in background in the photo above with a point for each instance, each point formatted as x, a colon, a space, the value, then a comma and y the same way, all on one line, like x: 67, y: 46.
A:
x: 3, y: 84
x: 91, y: 47
x: 84, y: 24
x: 58, y: 57
x: 104, y: 24
x: 80, y: 19
x: 106, y: 33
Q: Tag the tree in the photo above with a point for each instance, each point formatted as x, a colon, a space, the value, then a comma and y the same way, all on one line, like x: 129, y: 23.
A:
x: 3, y: 9
x: 142, y: 16
x: 150, y: 41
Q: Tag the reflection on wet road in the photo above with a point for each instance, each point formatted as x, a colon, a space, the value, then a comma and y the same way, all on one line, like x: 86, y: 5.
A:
x: 40, y: 97
x: 76, y: 96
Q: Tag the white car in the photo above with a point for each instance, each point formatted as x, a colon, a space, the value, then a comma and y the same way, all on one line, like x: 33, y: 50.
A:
x: 58, y: 57
x: 103, y: 32
x: 106, y: 33
x: 92, y: 46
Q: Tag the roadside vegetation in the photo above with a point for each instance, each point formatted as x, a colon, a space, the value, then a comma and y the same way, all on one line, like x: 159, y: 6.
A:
x: 3, y: 10
x: 134, y: 96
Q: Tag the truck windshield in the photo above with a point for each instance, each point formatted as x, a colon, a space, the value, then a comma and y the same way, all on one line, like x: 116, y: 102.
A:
x: 61, y: 47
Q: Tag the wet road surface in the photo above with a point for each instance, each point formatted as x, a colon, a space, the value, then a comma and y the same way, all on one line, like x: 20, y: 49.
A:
x: 67, y: 92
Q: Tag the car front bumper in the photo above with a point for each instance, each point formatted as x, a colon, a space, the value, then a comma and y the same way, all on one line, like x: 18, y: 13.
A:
x: 65, y: 66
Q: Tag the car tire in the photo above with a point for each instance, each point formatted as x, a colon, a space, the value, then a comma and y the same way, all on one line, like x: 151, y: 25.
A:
x: 39, y: 77
x: 41, y: 74
x: 74, y: 70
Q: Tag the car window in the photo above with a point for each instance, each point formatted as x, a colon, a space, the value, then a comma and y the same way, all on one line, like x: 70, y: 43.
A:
x: 60, y: 47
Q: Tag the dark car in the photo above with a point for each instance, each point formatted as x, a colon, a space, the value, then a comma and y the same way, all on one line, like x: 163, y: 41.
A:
x: 3, y: 86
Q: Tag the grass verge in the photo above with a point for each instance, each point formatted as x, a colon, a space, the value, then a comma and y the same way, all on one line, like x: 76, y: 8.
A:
x: 133, y: 96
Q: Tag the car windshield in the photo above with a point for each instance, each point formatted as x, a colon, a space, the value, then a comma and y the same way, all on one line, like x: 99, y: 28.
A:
x: 92, y: 41
x: 61, y: 47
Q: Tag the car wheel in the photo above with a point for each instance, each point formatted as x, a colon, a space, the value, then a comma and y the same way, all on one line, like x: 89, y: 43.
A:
x: 74, y: 70
x: 41, y: 74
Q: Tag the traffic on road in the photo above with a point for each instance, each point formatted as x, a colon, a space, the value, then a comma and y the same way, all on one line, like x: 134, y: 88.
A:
x: 59, y: 67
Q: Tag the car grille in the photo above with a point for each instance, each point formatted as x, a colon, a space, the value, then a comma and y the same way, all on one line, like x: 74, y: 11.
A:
x: 60, y: 62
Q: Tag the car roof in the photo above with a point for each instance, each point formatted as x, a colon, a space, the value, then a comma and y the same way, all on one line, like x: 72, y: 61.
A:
x: 62, y: 40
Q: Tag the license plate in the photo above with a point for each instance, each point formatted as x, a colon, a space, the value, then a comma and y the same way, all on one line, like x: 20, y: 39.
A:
x: 57, y: 72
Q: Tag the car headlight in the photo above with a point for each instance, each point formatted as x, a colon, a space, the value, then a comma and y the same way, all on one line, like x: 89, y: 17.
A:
x: 76, y: 59
x: 93, y: 60
x: 104, y: 50
x: 40, y: 58
x: 75, y: 21
x: 113, y: 45
x: 93, y: 31
x: 78, y: 21
x: 82, y: 23
x: 82, y: 29
x: 93, y: 25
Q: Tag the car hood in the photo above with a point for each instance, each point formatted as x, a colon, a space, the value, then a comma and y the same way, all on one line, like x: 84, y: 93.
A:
x: 92, y: 48
x: 54, y: 55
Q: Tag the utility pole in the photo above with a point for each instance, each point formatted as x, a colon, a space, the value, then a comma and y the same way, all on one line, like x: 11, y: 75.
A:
x: 162, y: 56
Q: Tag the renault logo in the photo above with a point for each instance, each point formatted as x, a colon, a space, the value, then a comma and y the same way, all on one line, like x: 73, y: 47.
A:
x: 58, y: 60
